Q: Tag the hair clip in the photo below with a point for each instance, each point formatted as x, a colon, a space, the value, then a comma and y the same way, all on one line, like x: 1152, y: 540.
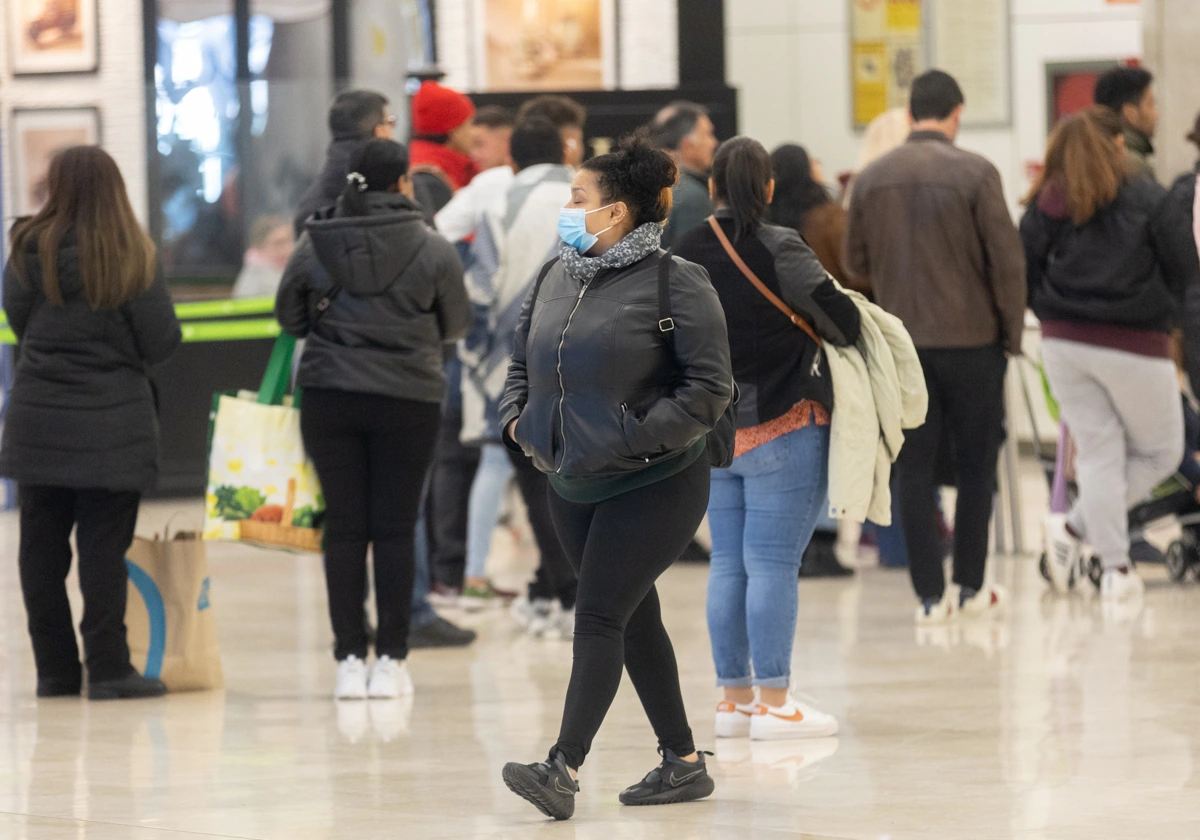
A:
x: 360, y: 183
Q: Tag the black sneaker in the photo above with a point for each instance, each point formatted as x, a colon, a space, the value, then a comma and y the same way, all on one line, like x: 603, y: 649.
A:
x: 439, y: 633
x: 547, y: 784
x: 132, y: 687
x: 675, y: 780
x: 60, y: 687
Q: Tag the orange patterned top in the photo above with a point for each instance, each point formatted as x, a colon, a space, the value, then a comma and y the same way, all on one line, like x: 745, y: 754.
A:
x: 800, y: 416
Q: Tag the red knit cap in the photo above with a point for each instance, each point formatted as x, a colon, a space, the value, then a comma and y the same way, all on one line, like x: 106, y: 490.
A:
x: 439, y: 110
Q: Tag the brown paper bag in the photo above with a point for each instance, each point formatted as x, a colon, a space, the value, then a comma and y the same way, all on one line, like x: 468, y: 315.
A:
x: 169, y: 616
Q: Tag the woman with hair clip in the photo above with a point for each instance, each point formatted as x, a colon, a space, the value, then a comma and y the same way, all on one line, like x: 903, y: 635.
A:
x: 376, y: 294
x: 620, y: 370
x: 1109, y: 257
x: 765, y: 507
x: 83, y: 295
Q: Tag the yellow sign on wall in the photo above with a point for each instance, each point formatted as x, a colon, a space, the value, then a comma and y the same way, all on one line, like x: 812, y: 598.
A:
x: 888, y: 52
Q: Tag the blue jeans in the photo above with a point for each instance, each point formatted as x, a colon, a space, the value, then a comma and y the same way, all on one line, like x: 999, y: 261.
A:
x: 487, y: 492
x: 763, y: 511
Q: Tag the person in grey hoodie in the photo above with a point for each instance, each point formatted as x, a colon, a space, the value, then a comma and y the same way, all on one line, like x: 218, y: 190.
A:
x: 377, y: 294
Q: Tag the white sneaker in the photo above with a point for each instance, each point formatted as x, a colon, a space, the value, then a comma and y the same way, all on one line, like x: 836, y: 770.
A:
x: 1116, y: 585
x: 988, y: 601
x: 733, y: 719
x: 351, y: 679
x: 564, y: 625
x: 792, y: 720
x: 545, y: 614
x: 938, y: 613
x: 389, y: 679
x: 1062, y: 553
x: 524, y: 610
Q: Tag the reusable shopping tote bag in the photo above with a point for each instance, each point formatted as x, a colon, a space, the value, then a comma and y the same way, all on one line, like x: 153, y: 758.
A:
x: 169, y: 615
x: 262, y: 488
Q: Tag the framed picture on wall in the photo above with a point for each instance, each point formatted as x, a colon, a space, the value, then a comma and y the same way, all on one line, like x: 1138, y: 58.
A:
x: 527, y: 45
x: 52, y: 36
x: 1071, y: 87
x: 37, y: 135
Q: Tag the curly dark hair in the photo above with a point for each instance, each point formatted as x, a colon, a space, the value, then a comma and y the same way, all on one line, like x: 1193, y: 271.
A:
x: 639, y: 175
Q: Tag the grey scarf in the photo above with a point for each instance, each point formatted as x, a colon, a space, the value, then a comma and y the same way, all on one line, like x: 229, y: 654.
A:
x: 636, y: 246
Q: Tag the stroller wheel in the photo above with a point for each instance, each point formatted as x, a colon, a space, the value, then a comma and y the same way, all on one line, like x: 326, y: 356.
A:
x: 1043, y: 568
x: 1177, y: 559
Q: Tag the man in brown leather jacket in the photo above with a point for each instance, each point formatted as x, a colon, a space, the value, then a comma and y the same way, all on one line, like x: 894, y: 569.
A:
x: 929, y: 225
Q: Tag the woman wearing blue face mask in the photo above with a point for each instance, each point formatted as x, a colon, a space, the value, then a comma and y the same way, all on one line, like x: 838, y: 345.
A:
x: 612, y: 392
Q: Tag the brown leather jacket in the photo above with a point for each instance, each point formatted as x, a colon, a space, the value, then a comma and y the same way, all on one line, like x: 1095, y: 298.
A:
x: 930, y: 227
x: 824, y: 229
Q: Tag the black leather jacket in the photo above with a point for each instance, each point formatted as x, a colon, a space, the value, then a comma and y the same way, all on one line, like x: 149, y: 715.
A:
x: 596, y: 386
x: 402, y: 296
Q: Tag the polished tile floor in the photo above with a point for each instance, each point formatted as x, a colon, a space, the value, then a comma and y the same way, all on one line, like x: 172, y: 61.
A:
x: 1061, y: 721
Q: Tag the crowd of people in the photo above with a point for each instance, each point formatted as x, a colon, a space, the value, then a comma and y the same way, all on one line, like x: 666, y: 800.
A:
x: 675, y: 330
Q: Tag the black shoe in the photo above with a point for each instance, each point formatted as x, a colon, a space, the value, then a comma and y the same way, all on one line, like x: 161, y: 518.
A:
x: 439, y: 633
x: 820, y: 558
x: 59, y: 687
x: 547, y: 784
x: 675, y: 780
x: 132, y: 687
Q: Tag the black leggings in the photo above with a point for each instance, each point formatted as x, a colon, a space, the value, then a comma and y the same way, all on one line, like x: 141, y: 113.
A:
x: 371, y: 453
x: 619, y: 547
x: 555, y: 577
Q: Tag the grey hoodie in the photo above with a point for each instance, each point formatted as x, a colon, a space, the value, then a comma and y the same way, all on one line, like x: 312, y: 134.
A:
x: 402, y: 297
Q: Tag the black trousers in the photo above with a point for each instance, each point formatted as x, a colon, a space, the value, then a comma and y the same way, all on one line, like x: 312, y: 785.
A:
x: 555, y: 578
x: 620, y: 547
x: 447, y: 507
x: 104, y: 522
x: 371, y: 453
x: 966, y: 401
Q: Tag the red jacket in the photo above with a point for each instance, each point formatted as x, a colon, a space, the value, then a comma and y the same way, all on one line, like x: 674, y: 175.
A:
x: 459, y: 168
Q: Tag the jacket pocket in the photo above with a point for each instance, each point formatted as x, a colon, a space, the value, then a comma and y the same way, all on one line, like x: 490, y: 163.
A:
x: 534, y: 431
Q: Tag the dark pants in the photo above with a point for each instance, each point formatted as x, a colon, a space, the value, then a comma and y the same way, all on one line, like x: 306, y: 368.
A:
x: 554, y: 578
x: 105, y: 521
x: 966, y: 399
x: 620, y: 547
x: 446, y: 511
x: 371, y: 453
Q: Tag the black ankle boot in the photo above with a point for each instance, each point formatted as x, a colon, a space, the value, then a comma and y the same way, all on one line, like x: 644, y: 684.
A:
x: 133, y: 686
x: 820, y: 558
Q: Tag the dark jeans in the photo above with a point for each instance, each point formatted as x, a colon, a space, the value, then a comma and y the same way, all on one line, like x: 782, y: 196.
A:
x: 620, y: 547
x: 446, y: 507
x: 105, y: 521
x: 554, y: 578
x: 371, y: 453
x: 966, y: 399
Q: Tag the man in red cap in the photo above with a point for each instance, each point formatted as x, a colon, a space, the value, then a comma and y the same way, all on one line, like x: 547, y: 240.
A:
x: 441, y: 144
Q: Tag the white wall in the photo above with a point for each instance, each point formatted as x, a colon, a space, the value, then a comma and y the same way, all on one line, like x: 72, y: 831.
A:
x: 117, y: 90
x: 790, y: 60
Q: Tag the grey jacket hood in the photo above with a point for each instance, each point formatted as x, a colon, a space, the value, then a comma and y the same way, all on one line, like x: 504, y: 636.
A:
x: 367, y: 255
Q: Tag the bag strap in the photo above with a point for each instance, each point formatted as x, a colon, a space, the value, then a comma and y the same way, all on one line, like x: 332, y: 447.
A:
x: 666, y: 324
x: 537, y: 285
x: 325, y: 302
x: 279, y: 371
x: 775, y: 300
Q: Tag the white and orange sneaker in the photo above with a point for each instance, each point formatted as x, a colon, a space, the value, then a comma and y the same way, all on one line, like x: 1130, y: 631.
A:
x: 733, y: 719
x: 791, y: 720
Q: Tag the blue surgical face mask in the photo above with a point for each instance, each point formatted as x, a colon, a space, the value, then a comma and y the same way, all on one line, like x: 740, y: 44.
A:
x: 572, y: 228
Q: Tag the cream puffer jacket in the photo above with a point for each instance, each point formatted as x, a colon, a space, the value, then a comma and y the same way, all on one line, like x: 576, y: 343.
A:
x: 878, y: 392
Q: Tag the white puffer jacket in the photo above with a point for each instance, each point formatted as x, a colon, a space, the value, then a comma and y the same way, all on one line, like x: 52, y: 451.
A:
x: 878, y: 392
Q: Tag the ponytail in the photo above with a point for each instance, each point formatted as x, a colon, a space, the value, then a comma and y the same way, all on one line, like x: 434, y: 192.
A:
x: 741, y: 173
x: 377, y: 167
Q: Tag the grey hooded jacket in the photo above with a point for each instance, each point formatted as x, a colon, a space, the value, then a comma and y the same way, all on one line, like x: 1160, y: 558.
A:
x: 401, y: 298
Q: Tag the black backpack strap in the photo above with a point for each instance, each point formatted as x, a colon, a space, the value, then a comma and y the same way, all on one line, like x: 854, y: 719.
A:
x: 325, y: 302
x: 537, y: 286
x: 666, y: 324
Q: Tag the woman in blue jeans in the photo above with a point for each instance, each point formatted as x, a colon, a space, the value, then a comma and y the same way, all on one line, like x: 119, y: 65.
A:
x: 764, y: 508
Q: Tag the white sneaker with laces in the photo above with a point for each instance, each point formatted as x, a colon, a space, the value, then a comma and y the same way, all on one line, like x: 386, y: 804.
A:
x: 351, y: 679
x: 523, y: 610
x: 389, y: 679
x: 545, y: 614
x: 1062, y: 553
x: 564, y: 625
x: 1117, y: 585
x: 938, y: 613
x: 987, y: 601
x: 792, y: 720
x: 733, y: 719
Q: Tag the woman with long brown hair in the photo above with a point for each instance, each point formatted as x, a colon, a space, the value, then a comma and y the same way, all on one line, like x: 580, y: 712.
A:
x: 1109, y: 257
x: 82, y: 294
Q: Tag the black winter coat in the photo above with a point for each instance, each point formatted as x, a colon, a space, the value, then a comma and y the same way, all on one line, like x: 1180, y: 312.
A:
x: 331, y: 183
x: 1128, y: 266
x: 1183, y: 196
x: 81, y: 413
x: 596, y: 386
x: 402, y: 297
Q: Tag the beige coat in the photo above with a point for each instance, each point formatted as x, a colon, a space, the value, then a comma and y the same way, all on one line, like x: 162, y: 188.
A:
x: 878, y: 392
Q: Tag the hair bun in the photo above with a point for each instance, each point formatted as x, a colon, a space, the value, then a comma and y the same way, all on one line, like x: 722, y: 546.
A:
x: 651, y: 169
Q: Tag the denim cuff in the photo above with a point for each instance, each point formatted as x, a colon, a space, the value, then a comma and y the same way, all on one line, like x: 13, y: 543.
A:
x: 774, y: 682
x: 736, y: 682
